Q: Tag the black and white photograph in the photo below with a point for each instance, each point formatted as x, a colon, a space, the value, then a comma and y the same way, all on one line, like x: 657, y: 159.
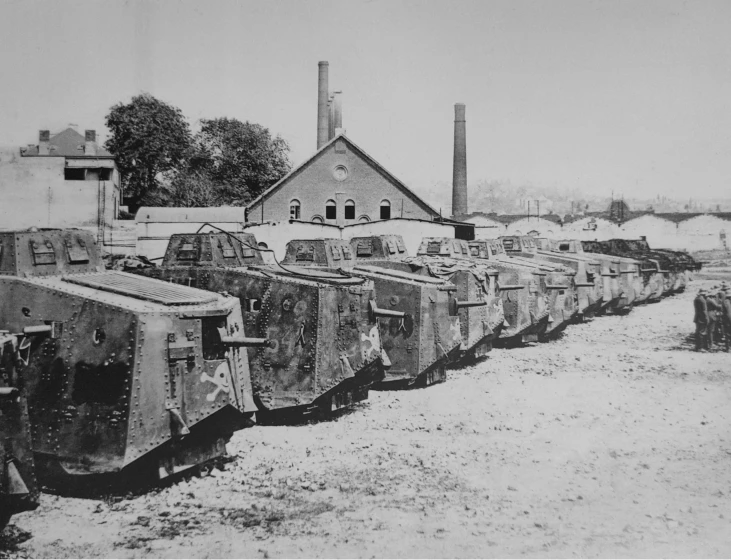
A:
x: 365, y: 279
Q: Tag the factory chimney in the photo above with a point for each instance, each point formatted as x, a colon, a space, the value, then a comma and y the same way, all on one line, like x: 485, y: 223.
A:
x: 338, y: 112
x: 459, y: 166
x: 323, y: 112
x: 331, y: 117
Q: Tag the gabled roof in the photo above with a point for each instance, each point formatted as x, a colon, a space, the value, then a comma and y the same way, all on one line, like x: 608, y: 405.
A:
x: 382, y: 170
x: 67, y: 143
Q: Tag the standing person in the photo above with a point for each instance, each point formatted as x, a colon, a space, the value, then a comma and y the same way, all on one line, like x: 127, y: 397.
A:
x: 714, y: 312
x: 701, y: 321
x: 726, y: 317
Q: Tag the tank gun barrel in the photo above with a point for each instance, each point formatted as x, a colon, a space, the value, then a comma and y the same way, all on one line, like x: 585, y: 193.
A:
x: 39, y: 329
x: 380, y: 312
x: 470, y: 303
x: 239, y: 341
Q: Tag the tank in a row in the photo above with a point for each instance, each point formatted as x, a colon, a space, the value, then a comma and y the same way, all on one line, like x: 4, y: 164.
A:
x: 112, y: 381
x: 323, y: 346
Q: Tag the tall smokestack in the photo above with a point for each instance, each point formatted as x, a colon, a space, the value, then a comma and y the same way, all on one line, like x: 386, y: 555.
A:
x: 459, y: 172
x: 338, y: 103
x: 323, y: 113
x: 331, y: 117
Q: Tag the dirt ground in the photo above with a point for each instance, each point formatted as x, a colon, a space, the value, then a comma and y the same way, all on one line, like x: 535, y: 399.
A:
x: 613, y: 441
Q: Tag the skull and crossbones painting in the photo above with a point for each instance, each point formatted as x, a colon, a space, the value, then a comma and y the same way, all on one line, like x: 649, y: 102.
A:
x: 375, y: 342
x: 221, y: 379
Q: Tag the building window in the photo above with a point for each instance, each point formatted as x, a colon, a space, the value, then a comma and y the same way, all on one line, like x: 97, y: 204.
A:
x: 364, y: 219
x: 317, y: 219
x: 87, y: 174
x: 74, y: 174
x: 349, y: 210
x: 294, y: 210
x: 330, y: 210
x: 385, y: 210
x: 340, y: 173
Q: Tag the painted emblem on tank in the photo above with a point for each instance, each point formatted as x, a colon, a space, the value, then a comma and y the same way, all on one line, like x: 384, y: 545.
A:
x: 375, y: 341
x: 454, y: 329
x: 221, y: 379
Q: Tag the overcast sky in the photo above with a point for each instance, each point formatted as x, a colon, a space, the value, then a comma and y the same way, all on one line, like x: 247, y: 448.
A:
x: 624, y: 96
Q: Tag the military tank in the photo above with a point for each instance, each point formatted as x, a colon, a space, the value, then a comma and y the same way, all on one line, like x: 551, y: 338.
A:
x: 622, y: 273
x: 477, y: 299
x: 128, y: 380
x: 19, y: 489
x: 681, y: 261
x: 323, y: 349
x: 672, y: 274
x: 594, y: 286
x: 649, y: 272
x: 559, y: 286
x: 524, y: 292
x: 419, y: 335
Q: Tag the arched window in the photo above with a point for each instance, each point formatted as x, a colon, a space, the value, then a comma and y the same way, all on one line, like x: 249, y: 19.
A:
x: 349, y: 210
x: 317, y: 219
x: 385, y: 210
x: 364, y: 219
x: 330, y: 210
x: 294, y: 209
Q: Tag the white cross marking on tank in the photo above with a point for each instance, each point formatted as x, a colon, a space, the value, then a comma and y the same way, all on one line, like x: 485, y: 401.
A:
x: 220, y: 379
x: 454, y: 329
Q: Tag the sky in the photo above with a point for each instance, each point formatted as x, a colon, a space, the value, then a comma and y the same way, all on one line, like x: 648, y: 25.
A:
x: 630, y: 97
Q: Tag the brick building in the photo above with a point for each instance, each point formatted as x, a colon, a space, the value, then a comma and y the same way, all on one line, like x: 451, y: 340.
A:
x: 339, y: 184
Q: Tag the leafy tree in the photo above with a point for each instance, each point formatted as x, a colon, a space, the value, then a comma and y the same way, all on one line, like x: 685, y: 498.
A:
x: 186, y: 189
x: 241, y: 157
x: 148, y: 138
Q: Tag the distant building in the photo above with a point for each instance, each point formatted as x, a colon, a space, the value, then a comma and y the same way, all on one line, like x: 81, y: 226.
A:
x: 66, y: 180
x: 339, y: 184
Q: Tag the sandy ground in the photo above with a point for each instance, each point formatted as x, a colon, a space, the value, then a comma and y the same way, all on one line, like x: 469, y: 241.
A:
x: 612, y: 441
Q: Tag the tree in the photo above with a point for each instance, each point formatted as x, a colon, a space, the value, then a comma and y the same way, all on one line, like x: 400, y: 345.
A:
x: 148, y: 137
x: 186, y: 189
x: 241, y: 157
